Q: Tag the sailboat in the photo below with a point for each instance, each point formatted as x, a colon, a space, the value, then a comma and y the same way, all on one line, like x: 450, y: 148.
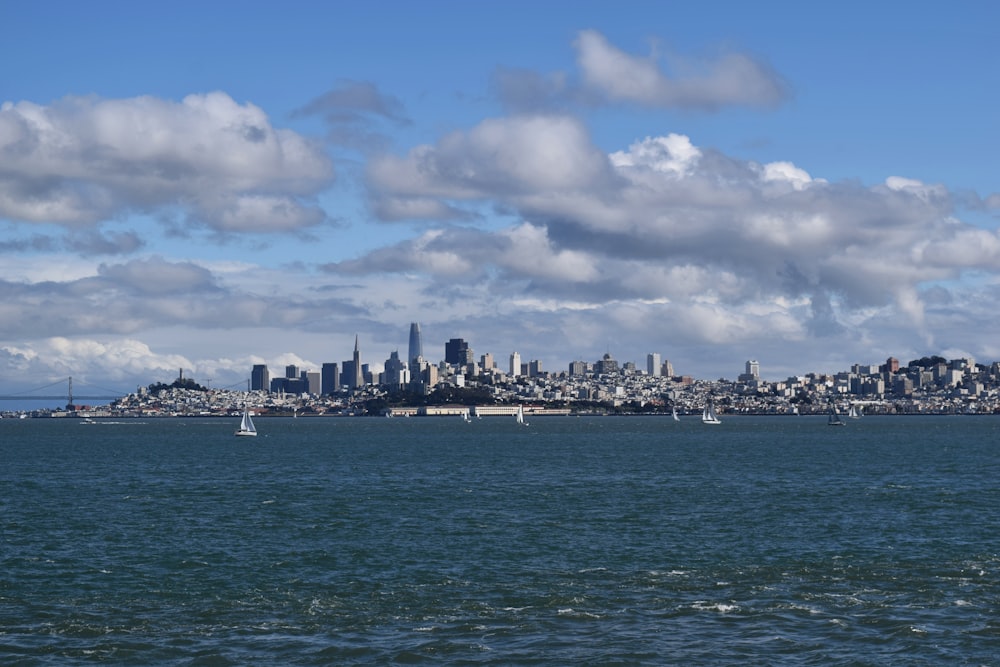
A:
x: 246, y: 425
x: 854, y: 412
x: 834, y: 418
x: 520, y: 416
x: 708, y: 415
x: 674, y: 414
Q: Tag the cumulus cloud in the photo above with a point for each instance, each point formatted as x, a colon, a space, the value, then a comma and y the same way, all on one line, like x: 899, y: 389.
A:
x: 146, y: 294
x: 607, y: 75
x: 682, y: 228
x: 522, y: 157
x: 729, y: 79
x: 84, y: 160
x: 354, y: 111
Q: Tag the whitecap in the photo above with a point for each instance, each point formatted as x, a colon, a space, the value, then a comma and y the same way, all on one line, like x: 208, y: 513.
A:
x: 721, y: 607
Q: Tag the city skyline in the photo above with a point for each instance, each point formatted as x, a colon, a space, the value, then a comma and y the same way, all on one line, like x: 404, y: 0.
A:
x: 714, y: 184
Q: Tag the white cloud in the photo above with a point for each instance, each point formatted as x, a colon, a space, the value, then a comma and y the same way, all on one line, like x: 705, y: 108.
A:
x: 673, y: 153
x: 786, y: 172
x: 530, y: 254
x: 498, y: 157
x: 84, y: 160
x: 729, y: 79
x: 725, y: 246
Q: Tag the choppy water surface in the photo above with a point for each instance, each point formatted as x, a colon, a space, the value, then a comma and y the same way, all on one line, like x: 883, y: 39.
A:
x: 570, y: 541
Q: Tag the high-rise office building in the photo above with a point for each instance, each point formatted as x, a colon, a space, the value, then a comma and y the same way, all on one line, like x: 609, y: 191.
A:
x: 357, y: 379
x: 330, y: 379
x: 653, y: 364
x: 347, y: 374
x: 487, y: 363
x: 515, y: 364
x: 291, y: 371
x: 752, y: 373
x: 606, y: 366
x: 396, y: 374
x: 457, y: 351
x: 260, y: 378
x: 313, y: 382
x: 416, y: 345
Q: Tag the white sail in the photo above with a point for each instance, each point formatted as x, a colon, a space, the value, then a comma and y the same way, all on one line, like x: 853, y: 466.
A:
x: 676, y: 418
x: 708, y: 415
x: 246, y: 425
x: 520, y: 416
x: 834, y: 418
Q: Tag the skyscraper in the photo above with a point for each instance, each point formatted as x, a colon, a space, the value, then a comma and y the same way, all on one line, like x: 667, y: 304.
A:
x: 416, y: 346
x: 456, y: 351
x: 753, y: 372
x: 486, y: 362
x: 260, y: 379
x: 653, y: 364
x: 515, y: 364
x: 330, y: 378
x: 358, y: 379
x: 396, y: 374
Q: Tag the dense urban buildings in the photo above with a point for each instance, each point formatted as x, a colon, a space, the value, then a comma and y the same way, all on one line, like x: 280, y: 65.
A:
x: 931, y: 384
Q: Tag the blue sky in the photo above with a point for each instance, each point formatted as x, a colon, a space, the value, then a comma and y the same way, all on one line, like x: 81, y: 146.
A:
x: 212, y: 185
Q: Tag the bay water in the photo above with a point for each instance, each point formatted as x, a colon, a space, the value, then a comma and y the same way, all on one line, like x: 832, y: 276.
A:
x: 573, y: 540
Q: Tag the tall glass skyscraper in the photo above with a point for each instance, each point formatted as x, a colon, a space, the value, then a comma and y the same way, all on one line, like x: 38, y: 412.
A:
x: 416, y: 345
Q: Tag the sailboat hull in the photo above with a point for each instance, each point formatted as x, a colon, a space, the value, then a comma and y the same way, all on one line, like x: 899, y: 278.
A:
x: 247, y: 427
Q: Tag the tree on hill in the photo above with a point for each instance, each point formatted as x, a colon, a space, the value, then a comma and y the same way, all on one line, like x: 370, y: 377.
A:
x: 180, y: 383
x: 927, y: 362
